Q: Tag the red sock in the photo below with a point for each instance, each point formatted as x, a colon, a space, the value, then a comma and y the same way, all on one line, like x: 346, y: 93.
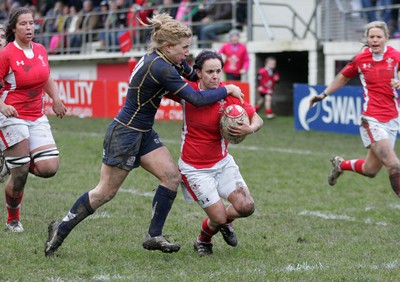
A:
x: 353, y: 165
x: 395, y: 182
x: 206, y: 232
x: 13, y: 207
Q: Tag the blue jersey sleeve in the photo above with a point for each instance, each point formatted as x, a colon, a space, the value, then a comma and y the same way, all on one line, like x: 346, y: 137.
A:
x: 202, y: 98
x: 188, y: 72
x: 174, y: 84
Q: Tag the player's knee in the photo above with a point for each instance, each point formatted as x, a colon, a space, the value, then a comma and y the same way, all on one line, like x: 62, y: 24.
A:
x: 173, y: 179
x: 247, y: 209
x: 47, y: 173
x: 45, y: 163
x: 18, y: 162
x: 218, y: 220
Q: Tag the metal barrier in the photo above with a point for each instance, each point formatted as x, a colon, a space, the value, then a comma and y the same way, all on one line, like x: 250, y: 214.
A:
x: 106, y: 39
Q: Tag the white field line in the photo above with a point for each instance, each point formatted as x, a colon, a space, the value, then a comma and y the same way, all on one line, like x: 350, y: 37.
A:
x: 134, y: 192
x: 260, y: 149
x: 241, y: 147
x: 303, y: 267
x: 340, y: 217
x: 102, y: 214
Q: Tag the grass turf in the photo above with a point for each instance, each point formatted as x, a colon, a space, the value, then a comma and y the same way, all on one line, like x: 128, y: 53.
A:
x: 302, y: 229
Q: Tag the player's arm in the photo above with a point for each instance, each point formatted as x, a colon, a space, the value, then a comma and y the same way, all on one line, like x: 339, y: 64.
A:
x: 256, y: 122
x: 206, y: 97
x: 173, y: 82
x: 335, y: 85
x: 52, y: 90
x: 188, y: 72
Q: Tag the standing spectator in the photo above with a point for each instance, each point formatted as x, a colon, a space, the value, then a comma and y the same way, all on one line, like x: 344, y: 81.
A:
x: 385, y: 14
x: 210, y: 26
x: 74, y: 40
x: 266, y: 79
x: 131, y: 140
x: 102, y: 26
x: 50, y: 26
x: 209, y: 172
x: 27, y: 143
x: 377, y: 67
x: 87, y: 24
x: 116, y: 24
x: 236, y: 57
x: 138, y: 16
x: 58, y: 40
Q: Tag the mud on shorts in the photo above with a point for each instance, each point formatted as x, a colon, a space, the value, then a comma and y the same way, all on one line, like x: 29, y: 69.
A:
x: 123, y: 146
x: 14, y: 130
x: 372, y: 131
x: 207, y: 186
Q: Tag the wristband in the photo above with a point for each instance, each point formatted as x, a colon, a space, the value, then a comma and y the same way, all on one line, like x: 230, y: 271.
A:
x: 324, y: 94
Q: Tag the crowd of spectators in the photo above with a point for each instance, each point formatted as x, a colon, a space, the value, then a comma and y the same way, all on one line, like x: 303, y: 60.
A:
x: 64, y: 26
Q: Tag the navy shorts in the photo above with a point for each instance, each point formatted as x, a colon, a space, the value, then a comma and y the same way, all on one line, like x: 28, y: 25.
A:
x: 123, y: 146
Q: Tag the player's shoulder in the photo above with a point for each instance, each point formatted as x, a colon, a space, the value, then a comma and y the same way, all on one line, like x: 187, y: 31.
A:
x: 393, y: 52
x: 38, y: 46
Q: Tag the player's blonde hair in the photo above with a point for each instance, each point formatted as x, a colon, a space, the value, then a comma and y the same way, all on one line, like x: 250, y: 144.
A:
x: 377, y: 24
x: 166, y: 30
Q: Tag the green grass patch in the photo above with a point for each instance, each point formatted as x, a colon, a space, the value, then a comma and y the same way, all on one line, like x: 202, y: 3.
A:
x: 302, y: 229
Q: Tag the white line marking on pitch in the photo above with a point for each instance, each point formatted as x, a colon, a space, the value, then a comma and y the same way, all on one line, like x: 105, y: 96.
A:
x: 327, y: 216
x: 134, y: 192
x: 103, y: 214
x: 303, y: 267
x: 233, y: 146
x: 340, y: 217
x: 256, y: 148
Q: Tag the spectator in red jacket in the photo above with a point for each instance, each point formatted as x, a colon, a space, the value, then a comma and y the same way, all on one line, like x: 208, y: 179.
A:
x: 236, y: 57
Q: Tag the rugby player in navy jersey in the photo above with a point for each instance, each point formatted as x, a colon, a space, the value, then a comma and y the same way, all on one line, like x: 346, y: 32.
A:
x: 130, y: 139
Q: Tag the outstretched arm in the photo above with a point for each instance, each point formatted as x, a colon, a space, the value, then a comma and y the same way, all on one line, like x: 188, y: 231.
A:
x: 206, y: 97
x: 335, y: 85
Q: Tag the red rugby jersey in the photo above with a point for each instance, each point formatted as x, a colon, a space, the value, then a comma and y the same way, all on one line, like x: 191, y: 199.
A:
x: 24, y: 77
x: 376, y: 72
x: 201, y: 144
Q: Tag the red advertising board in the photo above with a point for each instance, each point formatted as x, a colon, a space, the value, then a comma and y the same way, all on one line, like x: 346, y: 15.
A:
x: 104, y: 98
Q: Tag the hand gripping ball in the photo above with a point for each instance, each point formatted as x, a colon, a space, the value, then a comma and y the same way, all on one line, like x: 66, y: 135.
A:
x: 233, y: 115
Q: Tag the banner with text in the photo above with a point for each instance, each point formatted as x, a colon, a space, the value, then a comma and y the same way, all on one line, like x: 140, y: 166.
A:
x: 103, y: 99
x: 337, y: 113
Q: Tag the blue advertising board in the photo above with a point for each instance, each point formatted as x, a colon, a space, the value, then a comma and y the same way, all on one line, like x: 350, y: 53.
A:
x: 338, y: 113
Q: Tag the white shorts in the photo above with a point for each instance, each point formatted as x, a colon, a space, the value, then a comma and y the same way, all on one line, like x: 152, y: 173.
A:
x: 14, y: 130
x: 208, y: 185
x: 372, y: 131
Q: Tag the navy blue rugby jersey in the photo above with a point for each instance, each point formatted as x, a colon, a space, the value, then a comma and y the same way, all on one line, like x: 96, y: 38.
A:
x: 153, y: 77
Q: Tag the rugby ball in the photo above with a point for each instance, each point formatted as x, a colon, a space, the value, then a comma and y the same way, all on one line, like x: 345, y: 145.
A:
x: 232, y: 115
